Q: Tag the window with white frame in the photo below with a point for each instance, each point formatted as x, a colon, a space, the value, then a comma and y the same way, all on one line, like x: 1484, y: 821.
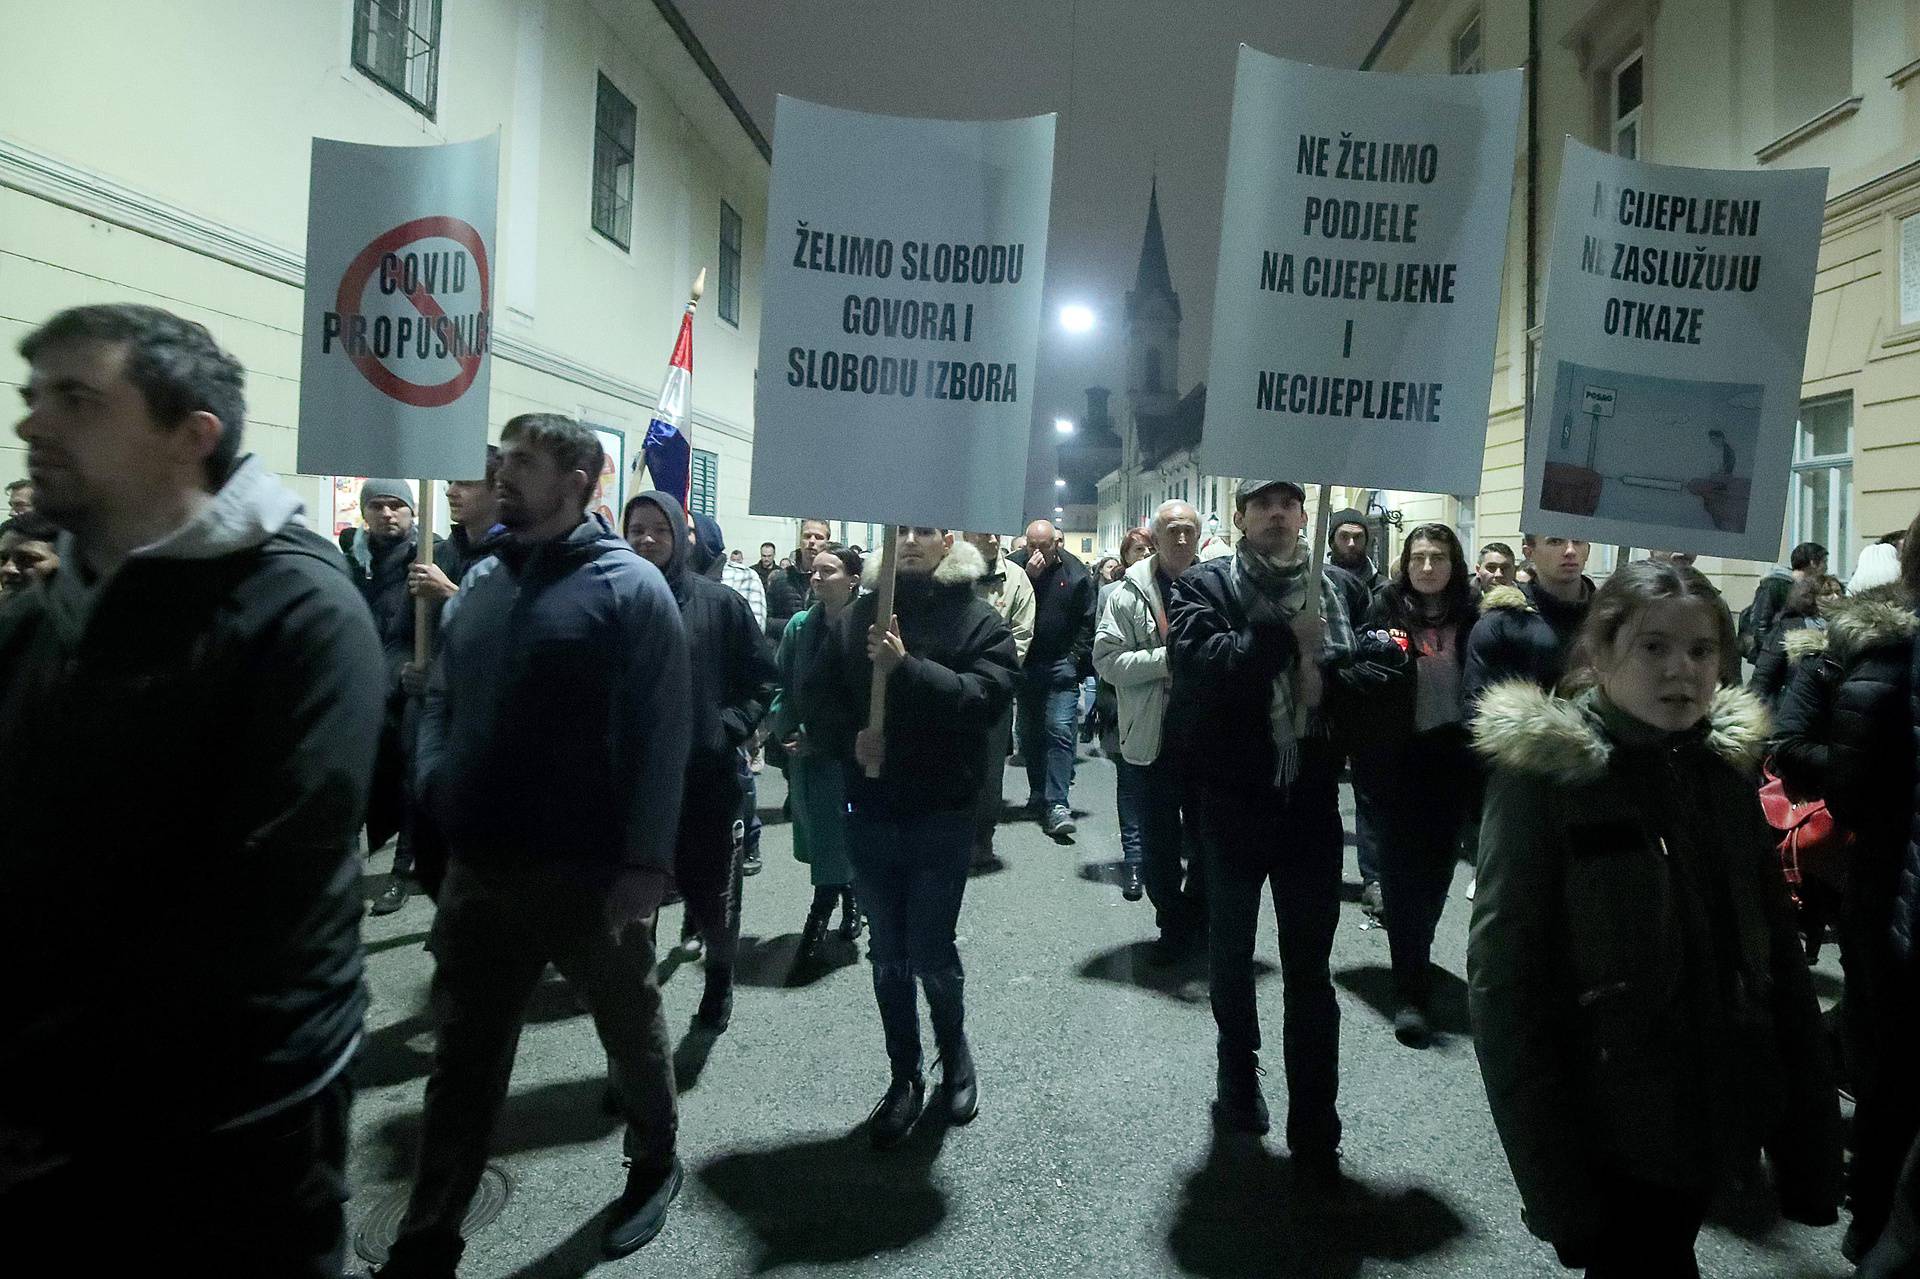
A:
x: 1625, y: 98
x: 1820, y: 495
x: 1465, y: 522
x: 613, y: 138
x: 1468, y: 56
x: 397, y: 44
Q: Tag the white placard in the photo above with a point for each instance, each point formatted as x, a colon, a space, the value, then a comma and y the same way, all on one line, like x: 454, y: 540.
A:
x: 1678, y: 299
x: 1358, y: 294
x: 900, y: 317
x: 395, y: 354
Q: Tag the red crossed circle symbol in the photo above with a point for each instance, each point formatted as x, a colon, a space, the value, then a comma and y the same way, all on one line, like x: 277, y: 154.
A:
x: 353, y: 285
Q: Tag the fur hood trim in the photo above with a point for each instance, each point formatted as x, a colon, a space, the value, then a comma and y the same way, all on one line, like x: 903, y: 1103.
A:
x: 1804, y: 641
x: 1506, y: 597
x: 1520, y: 727
x: 1875, y: 619
x: 963, y: 566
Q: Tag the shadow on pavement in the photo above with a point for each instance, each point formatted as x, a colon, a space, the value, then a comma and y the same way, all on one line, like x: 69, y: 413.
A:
x: 396, y: 942
x: 1245, y: 1214
x: 1132, y: 965
x: 579, y: 1254
x: 690, y: 1058
x: 835, y: 1200
x: 402, y: 1050
x: 1446, y: 1012
x: 569, y: 1113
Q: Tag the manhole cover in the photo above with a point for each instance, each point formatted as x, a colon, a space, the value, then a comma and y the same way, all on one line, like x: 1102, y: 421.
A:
x: 374, y: 1239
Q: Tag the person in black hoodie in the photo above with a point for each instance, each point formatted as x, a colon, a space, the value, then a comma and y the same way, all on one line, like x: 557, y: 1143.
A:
x: 1064, y: 599
x: 553, y: 747
x: 1525, y: 632
x: 949, y: 662
x: 733, y: 681
x: 1411, y: 752
x: 188, y: 707
x: 382, y: 557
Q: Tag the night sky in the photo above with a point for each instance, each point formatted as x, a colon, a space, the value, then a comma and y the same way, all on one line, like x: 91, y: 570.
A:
x: 1141, y: 86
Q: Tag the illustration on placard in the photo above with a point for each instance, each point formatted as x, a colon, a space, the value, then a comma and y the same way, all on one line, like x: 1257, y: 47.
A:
x: 1626, y: 446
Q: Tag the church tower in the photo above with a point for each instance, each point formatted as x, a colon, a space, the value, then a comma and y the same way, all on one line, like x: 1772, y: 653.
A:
x: 1153, y: 325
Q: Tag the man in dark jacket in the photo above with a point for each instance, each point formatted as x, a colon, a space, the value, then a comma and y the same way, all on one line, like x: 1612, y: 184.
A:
x: 382, y: 556
x: 1245, y: 645
x: 1525, y: 632
x: 1350, y: 548
x: 788, y: 584
x: 552, y: 751
x: 194, y: 697
x: 949, y: 663
x: 733, y: 678
x: 1060, y: 655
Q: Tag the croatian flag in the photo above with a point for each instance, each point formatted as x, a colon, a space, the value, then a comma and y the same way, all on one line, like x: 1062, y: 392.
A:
x: 668, y: 451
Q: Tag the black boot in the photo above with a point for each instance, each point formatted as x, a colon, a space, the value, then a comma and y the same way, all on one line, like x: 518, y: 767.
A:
x: 1410, y: 1025
x: 850, y: 925
x: 898, y: 1111
x: 959, y: 1087
x: 393, y: 896
x: 1239, y: 1107
x: 814, y: 932
x: 716, y: 1002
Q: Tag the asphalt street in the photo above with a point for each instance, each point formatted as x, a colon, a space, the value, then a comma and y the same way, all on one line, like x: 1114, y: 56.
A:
x: 1093, y: 1153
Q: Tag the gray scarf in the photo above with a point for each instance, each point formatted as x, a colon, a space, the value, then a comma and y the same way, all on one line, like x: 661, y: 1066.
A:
x: 1271, y: 590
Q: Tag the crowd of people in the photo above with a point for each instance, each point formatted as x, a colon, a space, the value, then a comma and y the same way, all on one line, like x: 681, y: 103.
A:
x: 1642, y: 1008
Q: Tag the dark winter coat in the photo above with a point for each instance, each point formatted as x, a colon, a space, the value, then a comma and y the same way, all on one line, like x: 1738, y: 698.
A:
x: 1769, y: 598
x: 1224, y: 668
x: 380, y: 567
x: 788, y: 591
x: 196, y: 736
x: 732, y: 667
x: 1523, y: 633
x: 556, y: 723
x: 1640, y: 1003
x: 956, y: 681
x: 461, y: 551
x: 1065, y: 602
x: 1791, y: 641
x: 1378, y: 689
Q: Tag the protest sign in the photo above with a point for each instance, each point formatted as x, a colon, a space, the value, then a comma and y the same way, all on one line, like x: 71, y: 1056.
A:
x: 1361, y: 250
x: 1676, y: 332
x: 900, y: 317
x: 394, y: 353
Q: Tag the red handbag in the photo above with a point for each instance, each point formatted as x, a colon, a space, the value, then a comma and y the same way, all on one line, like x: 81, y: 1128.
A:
x: 1812, y: 844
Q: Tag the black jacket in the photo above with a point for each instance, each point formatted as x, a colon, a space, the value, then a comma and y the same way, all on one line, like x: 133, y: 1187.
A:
x: 461, y: 551
x: 732, y: 667
x: 1224, y: 668
x: 379, y: 567
x: 1791, y: 641
x: 1523, y: 633
x: 941, y: 701
x: 787, y: 591
x: 1640, y: 1002
x: 1064, y: 599
x: 202, y: 730
x: 1378, y: 690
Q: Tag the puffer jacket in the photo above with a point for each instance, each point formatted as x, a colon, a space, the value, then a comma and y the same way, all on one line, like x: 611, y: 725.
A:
x: 1130, y: 653
x: 1640, y: 1003
x: 1523, y: 633
x: 942, y: 699
x: 1791, y: 641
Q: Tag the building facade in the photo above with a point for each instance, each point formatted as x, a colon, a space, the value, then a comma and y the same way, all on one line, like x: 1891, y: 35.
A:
x: 627, y: 165
x: 1720, y: 84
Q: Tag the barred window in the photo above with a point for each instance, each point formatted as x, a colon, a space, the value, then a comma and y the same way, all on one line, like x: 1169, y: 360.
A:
x: 397, y: 44
x: 705, y: 498
x: 613, y: 124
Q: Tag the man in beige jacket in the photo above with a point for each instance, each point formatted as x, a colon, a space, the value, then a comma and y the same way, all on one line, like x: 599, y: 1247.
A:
x: 1011, y: 595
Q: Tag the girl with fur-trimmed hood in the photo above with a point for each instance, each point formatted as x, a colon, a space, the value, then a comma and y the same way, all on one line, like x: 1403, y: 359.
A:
x: 1641, y: 1010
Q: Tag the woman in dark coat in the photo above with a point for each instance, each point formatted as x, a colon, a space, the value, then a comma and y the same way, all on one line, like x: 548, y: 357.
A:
x: 1798, y: 632
x: 1643, y: 1016
x: 1405, y: 711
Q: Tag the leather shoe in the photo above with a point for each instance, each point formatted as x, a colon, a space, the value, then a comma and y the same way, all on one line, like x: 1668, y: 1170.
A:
x: 640, y: 1212
x: 1130, y: 886
x: 393, y: 896
x: 1238, y: 1105
x: 898, y: 1110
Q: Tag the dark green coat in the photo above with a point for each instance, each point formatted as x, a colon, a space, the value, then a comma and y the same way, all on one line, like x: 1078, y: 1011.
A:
x: 1640, y: 1003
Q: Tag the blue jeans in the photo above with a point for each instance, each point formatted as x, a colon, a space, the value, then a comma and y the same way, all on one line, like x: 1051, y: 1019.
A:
x: 1047, y: 724
x: 1130, y: 792
x: 1154, y: 837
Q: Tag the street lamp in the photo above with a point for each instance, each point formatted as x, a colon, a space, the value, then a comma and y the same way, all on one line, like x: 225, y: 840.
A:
x: 1059, y: 483
x: 1075, y: 318
x: 1064, y: 425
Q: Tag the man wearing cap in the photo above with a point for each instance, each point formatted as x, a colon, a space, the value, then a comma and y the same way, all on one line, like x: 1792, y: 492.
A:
x: 1245, y: 640
x: 381, y: 556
